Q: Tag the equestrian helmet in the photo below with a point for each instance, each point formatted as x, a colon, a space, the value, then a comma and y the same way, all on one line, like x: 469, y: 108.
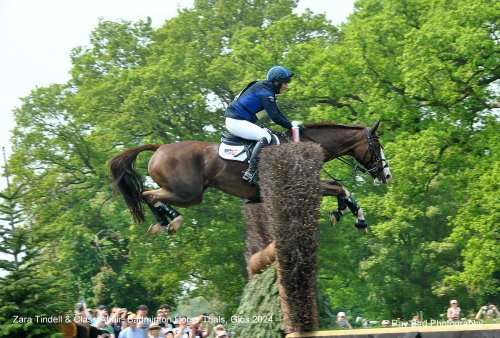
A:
x: 279, y: 73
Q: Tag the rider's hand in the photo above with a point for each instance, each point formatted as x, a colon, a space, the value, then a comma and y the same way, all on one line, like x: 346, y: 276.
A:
x: 301, y: 128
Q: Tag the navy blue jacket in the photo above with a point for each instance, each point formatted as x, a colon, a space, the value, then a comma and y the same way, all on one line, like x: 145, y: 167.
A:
x: 257, y: 97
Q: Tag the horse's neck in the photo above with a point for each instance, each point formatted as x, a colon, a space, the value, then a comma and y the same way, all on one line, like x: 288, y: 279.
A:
x: 336, y: 140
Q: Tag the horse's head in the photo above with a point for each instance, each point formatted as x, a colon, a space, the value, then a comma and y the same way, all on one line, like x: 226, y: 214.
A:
x: 371, y: 155
x: 362, y: 143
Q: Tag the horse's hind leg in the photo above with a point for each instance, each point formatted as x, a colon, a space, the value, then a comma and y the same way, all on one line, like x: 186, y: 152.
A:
x: 168, y: 218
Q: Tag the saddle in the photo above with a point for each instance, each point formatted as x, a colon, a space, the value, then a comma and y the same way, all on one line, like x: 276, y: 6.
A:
x: 234, y: 148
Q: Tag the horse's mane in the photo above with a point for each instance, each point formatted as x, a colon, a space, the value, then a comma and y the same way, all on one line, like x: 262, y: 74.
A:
x: 329, y: 124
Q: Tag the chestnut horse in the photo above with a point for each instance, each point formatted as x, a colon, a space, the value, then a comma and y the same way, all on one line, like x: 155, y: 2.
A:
x: 184, y: 170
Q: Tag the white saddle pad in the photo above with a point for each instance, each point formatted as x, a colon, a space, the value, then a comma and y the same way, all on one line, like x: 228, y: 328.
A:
x: 237, y: 153
x: 233, y: 153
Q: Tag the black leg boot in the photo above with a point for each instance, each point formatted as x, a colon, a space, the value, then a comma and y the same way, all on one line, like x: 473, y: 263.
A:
x: 168, y: 218
x: 168, y: 211
x: 251, y: 174
x: 336, y: 215
x: 354, y: 207
x: 160, y: 218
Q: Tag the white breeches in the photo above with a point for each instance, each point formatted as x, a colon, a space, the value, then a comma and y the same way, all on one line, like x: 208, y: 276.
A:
x: 246, y: 129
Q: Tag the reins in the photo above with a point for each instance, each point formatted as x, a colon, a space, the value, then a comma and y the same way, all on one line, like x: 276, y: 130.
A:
x: 356, y: 167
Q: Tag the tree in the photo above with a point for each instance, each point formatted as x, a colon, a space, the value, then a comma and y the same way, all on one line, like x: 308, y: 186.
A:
x: 476, y: 228
x: 12, y: 233
x: 25, y: 291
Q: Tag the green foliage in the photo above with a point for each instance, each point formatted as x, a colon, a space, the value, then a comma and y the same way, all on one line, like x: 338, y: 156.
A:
x: 428, y: 69
x: 12, y: 232
x: 28, y: 294
x: 27, y: 298
x: 476, y: 229
x: 260, y: 298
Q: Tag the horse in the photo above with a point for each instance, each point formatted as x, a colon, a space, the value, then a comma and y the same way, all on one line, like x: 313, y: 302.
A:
x: 184, y: 170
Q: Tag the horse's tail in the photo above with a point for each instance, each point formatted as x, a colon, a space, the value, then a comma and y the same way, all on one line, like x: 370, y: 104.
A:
x: 128, y: 181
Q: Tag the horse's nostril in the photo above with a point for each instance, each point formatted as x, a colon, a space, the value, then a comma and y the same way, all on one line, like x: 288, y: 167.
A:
x: 388, y: 177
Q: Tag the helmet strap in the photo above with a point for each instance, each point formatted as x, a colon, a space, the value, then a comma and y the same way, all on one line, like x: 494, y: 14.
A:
x: 277, y: 86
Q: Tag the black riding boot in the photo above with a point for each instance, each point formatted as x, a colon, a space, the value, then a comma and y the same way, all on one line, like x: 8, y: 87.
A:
x: 251, y: 174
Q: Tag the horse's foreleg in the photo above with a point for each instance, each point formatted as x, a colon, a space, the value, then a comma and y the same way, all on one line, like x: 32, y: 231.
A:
x: 335, y: 188
x: 357, y: 212
x: 336, y: 215
x: 345, y: 201
x: 332, y: 188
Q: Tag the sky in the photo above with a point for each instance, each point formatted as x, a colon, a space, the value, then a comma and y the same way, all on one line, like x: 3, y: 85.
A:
x: 37, y: 38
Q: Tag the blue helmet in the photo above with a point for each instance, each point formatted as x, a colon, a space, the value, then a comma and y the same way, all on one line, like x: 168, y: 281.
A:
x: 279, y: 73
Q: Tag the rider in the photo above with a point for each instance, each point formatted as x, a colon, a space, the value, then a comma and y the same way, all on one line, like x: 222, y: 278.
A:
x: 257, y: 96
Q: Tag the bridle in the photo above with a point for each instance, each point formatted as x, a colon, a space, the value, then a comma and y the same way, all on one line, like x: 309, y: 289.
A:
x: 356, y: 166
x: 378, y: 161
x: 375, y: 157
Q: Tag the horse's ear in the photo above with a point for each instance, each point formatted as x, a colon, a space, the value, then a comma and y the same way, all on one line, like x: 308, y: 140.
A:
x: 373, y: 129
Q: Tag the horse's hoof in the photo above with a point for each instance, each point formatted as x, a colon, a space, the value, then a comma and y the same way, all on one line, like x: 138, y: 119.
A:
x: 361, y: 225
x: 334, y: 217
x: 175, y: 225
x: 171, y: 228
x: 156, y: 229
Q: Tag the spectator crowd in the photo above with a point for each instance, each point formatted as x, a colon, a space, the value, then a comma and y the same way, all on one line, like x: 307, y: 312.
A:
x: 122, y: 323
x: 453, y: 314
